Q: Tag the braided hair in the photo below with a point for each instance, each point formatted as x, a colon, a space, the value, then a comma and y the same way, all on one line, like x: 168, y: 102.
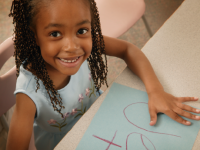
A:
x: 26, y: 50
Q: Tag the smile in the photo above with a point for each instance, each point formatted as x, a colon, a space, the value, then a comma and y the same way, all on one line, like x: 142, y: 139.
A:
x: 69, y: 61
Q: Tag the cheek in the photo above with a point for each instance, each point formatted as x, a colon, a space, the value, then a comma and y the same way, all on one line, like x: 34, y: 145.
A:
x: 49, y: 49
x: 88, y: 47
x: 48, y: 53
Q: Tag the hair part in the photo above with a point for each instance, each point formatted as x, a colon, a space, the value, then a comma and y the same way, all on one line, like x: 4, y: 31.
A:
x: 24, y: 13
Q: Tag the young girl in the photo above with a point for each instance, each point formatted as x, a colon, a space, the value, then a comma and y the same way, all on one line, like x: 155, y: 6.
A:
x: 60, y: 69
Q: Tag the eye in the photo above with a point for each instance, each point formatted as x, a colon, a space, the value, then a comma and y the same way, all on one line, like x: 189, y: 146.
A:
x: 55, y: 34
x: 82, y: 31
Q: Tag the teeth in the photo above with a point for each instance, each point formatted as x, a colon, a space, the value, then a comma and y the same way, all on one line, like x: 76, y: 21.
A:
x: 69, y: 61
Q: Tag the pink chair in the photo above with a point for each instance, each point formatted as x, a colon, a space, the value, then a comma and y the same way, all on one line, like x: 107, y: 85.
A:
x: 7, y: 85
x: 117, y: 16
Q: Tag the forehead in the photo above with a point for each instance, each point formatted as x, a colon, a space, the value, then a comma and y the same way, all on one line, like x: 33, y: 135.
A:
x: 68, y: 12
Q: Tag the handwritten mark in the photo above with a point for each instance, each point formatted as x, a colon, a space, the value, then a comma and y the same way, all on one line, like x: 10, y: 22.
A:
x: 140, y: 127
x: 141, y: 135
x: 110, y: 142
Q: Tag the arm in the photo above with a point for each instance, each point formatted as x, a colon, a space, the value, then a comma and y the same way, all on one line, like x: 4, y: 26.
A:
x: 159, y: 101
x: 21, y: 125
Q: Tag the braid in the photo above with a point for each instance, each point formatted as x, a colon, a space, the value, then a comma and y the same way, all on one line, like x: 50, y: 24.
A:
x: 98, y: 68
x: 28, y: 54
x: 27, y: 50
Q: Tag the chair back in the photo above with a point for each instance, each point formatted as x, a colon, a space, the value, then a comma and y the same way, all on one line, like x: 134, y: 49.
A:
x: 7, y: 80
x: 117, y: 16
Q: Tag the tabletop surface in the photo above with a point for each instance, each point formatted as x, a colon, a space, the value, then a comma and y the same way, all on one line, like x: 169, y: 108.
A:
x: 174, y: 52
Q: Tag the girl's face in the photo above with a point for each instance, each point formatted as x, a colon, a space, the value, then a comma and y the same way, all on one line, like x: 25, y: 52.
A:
x: 63, y: 33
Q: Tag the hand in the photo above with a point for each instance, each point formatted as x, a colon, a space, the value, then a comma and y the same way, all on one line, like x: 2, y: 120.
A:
x: 162, y: 102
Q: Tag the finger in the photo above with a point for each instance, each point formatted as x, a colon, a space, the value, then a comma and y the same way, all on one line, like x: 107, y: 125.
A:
x: 177, y: 118
x: 184, y: 99
x: 153, y: 116
x: 186, y: 114
x: 188, y: 108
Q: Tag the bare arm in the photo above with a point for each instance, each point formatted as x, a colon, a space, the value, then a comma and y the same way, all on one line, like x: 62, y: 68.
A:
x: 159, y: 100
x: 135, y: 60
x: 21, y: 125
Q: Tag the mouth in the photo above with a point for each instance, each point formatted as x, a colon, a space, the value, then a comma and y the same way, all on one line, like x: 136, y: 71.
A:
x: 69, y: 60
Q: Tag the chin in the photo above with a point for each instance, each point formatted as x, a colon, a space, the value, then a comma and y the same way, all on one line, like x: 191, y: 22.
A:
x: 69, y: 72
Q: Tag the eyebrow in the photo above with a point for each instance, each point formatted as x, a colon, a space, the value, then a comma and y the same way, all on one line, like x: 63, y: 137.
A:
x: 83, y: 22
x: 60, y: 25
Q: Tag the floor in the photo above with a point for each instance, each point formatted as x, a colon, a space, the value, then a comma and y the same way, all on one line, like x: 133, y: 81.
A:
x: 157, y: 12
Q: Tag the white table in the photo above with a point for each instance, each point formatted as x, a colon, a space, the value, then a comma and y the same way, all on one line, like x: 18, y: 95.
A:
x: 174, y: 52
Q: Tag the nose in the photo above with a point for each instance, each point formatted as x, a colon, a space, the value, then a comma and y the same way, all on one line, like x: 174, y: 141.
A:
x: 70, y: 45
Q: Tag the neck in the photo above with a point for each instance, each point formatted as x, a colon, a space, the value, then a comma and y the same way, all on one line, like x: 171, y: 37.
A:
x: 59, y: 80
x: 60, y: 83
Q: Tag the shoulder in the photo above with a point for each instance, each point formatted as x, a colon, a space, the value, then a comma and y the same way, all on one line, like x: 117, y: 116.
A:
x: 26, y: 85
x: 25, y: 80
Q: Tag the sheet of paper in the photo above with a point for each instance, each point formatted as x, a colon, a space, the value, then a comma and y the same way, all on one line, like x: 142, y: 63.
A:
x: 122, y: 123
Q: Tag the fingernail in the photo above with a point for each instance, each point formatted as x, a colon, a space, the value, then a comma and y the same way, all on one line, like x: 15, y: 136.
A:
x: 187, y: 122
x: 151, y: 122
x: 197, y: 110
x: 196, y: 98
x: 197, y: 117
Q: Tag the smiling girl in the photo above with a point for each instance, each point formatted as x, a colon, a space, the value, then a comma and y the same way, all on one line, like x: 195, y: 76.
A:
x: 60, y: 69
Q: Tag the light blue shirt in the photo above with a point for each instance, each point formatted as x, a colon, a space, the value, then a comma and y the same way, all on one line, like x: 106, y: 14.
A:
x: 77, y: 96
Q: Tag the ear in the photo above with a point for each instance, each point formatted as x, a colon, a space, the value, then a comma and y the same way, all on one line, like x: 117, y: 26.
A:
x: 35, y: 34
